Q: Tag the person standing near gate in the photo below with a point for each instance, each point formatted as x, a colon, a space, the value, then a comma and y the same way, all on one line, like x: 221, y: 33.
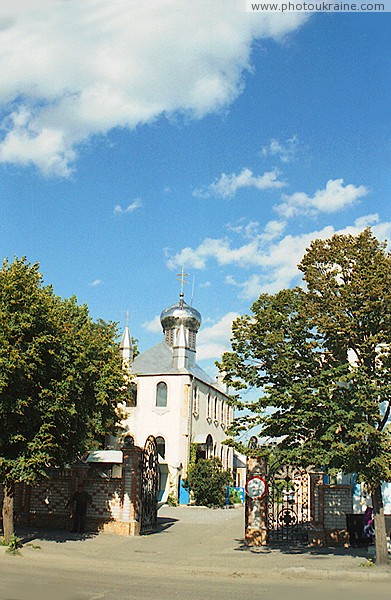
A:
x: 369, y: 529
x: 80, y: 501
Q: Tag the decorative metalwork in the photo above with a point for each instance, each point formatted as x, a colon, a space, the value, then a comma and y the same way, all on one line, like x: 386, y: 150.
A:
x: 288, y: 511
x: 149, y: 486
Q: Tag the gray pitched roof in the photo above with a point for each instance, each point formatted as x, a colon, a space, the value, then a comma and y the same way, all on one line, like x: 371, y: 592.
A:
x: 158, y: 361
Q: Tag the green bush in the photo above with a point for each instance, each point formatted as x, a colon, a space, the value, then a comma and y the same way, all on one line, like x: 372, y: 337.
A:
x: 171, y: 500
x: 234, y: 497
x: 207, y: 481
x: 13, y: 545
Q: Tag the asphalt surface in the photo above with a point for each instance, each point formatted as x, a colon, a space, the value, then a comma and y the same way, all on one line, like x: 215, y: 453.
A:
x: 196, y: 553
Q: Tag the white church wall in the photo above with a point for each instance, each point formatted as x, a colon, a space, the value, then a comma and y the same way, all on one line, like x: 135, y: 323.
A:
x: 169, y: 422
x: 206, y: 421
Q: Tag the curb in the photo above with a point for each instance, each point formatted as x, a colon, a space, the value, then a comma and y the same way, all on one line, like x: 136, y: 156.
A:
x: 347, y: 575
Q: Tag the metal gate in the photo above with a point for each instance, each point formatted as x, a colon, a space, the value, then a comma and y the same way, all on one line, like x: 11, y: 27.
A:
x: 149, y: 486
x: 288, y: 510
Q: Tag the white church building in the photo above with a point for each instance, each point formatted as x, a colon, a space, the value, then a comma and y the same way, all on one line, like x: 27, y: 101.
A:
x: 173, y: 399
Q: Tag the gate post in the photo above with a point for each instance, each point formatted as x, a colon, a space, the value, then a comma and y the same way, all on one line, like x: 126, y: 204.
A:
x: 256, y: 509
x: 131, y: 489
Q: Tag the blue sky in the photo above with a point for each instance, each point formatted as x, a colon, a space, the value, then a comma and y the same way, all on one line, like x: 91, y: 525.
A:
x: 140, y: 137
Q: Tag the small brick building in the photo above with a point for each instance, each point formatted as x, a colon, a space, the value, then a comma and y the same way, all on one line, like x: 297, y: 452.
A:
x: 115, y: 491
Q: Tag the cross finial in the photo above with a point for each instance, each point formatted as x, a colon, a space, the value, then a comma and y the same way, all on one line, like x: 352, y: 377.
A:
x: 181, y: 277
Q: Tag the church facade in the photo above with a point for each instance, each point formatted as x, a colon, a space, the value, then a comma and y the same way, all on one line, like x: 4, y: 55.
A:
x: 175, y: 400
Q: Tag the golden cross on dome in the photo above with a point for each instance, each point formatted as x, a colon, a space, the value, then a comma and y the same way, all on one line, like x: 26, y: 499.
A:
x: 181, y: 277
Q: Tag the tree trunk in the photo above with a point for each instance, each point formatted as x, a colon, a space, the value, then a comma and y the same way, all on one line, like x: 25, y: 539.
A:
x: 380, y: 526
x: 8, y: 511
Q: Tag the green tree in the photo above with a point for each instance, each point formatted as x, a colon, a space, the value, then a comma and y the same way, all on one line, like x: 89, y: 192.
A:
x: 60, y: 376
x: 207, y: 481
x: 321, y: 358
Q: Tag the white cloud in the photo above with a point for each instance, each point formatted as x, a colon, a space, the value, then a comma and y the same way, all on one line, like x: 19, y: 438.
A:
x: 227, y: 185
x: 154, y: 326
x: 96, y: 283
x: 252, y: 253
x: 334, y: 197
x: 273, y: 229
x: 72, y: 70
x: 119, y: 210
x: 213, y: 340
x: 248, y: 230
x: 285, y: 151
x: 367, y: 221
x: 276, y: 261
x: 217, y: 249
x: 251, y: 230
x: 251, y: 288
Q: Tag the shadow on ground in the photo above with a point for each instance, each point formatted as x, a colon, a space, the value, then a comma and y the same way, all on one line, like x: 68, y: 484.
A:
x: 303, y: 549
x: 163, y: 523
x: 56, y: 535
x: 60, y: 536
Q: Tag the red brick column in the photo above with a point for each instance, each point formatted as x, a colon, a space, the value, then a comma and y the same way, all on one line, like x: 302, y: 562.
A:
x: 256, y: 510
x: 317, y: 534
x: 131, y: 490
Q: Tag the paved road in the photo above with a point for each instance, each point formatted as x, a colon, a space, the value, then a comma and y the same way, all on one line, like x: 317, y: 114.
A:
x: 198, y: 553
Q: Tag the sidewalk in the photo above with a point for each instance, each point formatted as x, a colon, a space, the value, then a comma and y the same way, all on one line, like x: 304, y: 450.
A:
x: 195, y: 540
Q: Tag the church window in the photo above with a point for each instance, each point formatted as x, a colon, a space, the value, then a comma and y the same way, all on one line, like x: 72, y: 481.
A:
x: 161, y: 394
x: 192, y: 339
x: 209, y: 408
x: 169, y: 337
x: 209, y: 446
x: 216, y: 410
x: 161, y: 446
x: 196, y: 400
x: 222, y: 455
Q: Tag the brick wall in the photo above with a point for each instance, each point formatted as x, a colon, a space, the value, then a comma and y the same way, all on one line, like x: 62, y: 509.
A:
x: 48, y: 500
x: 333, y: 502
x: 337, y: 503
x: 115, y: 501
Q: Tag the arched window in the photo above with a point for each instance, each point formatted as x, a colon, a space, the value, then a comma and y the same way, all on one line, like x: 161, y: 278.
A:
x: 209, y: 446
x: 161, y: 446
x: 208, y: 408
x: 161, y: 394
x: 195, y: 400
x: 216, y: 410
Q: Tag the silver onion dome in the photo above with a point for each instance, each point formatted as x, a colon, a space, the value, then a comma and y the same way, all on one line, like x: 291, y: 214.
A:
x: 180, y: 313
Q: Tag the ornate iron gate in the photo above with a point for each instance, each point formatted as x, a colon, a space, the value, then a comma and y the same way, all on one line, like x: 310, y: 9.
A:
x: 288, y: 510
x: 149, y: 486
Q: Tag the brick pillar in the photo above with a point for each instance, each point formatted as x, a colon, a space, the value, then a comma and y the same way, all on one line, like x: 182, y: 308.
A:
x: 256, y: 510
x: 317, y: 531
x: 79, y: 475
x: 131, y: 489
